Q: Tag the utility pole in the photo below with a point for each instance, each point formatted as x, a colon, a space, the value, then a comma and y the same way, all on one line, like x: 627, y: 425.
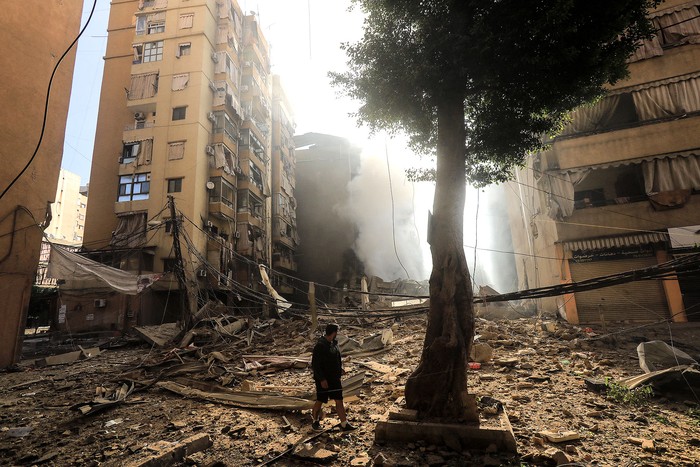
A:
x: 180, y: 267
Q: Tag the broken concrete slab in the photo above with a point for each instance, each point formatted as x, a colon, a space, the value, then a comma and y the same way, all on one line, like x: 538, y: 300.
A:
x: 472, y: 435
x: 158, y: 335
x: 315, y: 453
x: 68, y: 357
x: 170, y: 453
x: 559, y: 436
x: 480, y: 352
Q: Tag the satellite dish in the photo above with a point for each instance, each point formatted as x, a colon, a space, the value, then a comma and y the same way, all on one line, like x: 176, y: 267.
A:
x: 210, y: 185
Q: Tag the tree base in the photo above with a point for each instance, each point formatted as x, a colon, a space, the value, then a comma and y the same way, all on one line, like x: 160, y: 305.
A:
x: 456, y: 436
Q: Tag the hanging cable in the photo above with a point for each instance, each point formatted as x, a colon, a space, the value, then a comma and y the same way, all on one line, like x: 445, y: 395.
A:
x: 46, y: 103
x: 393, y: 220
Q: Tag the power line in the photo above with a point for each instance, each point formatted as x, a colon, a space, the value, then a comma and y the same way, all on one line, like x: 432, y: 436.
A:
x: 46, y: 103
x: 393, y: 220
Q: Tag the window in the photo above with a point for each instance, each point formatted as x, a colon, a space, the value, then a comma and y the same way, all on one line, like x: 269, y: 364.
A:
x: 140, y: 25
x: 155, y: 27
x: 179, y: 113
x: 176, y: 150
x: 130, y: 152
x: 153, y: 51
x: 175, y: 185
x: 184, y: 49
x: 256, y: 175
x: 248, y: 202
x: 223, y: 192
x: 186, y: 20
x: 138, y: 53
x: 134, y: 187
x: 224, y: 124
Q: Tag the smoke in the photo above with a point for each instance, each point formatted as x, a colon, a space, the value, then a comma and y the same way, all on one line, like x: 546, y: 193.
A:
x: 370, y: 208
x: 487, y: 228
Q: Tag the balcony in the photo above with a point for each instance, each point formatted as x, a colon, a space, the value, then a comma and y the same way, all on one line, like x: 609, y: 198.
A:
x: 279, y: 261
x: 600, y: 221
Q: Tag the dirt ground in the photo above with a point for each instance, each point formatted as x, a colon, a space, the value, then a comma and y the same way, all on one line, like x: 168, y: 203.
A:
x: 537, y: 374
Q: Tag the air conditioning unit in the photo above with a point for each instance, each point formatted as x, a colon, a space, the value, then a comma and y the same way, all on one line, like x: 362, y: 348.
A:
x: 210, y: 224
x: 202, y: 273
x: 139, y: 116
x: 210, y: 150
x: 211, y: 116
x: 214, y: 57
x: 244, y: 88
x: 148, y: 177
x: 100, y: 303
x: 212, y: 86
x: 237, y: 234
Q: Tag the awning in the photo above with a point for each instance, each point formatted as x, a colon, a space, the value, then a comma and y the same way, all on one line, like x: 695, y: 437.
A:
x: 673, y: 9
x: 638, y: 160
x: 615, y: 242
x: 654, y: 84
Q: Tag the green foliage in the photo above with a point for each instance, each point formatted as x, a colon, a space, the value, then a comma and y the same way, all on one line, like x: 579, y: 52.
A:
x: 619, y: 393
x: 518, y: 66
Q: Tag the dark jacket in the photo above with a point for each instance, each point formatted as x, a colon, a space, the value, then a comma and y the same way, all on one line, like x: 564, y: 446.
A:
x: 325, y: 360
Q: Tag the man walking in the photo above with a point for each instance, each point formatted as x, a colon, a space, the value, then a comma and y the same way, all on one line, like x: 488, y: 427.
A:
x: 328, y: 369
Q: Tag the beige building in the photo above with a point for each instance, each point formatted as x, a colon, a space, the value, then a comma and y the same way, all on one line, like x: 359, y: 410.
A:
x: 185, y: 111
x: 30, y: 55
x: 619, y: 188
x: 285, y: 236
x: 68, y: 210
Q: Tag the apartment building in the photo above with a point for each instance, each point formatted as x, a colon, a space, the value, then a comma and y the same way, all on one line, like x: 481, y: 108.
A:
x: 68, y: 210
x: 29, y: 58
x: 185, y: 111
x: 619, y: 188
x: 285, y: 236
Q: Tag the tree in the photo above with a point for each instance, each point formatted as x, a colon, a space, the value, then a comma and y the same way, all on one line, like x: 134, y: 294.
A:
x: 478, y: 83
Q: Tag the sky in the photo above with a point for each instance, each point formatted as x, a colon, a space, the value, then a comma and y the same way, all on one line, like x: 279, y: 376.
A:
x: 305, y: 38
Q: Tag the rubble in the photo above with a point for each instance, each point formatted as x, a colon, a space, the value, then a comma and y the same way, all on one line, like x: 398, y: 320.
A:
x: 249, y: 390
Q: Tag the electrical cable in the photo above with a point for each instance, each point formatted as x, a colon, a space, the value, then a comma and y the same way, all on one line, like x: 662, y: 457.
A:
x: 46, y: 103
x: 393, y: 220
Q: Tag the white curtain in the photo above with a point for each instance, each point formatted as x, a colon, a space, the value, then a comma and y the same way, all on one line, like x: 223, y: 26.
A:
x: 222, y: 35
x: 687, y: 94
x: 219, y: 156
x: 592, y: 117
x: 654, y: 102
x: 647, y: 49
x: 671, y: 173
x: 224, y: 7
x: 681, y: 26
x: 560, y: 192
x: 180, y: 81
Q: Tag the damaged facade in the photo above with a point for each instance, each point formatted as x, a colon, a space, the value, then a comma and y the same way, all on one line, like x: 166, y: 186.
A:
x: 185, y: 111
x: 618, y: 189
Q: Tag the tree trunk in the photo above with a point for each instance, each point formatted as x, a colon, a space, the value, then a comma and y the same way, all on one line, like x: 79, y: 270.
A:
x: 438, y: 386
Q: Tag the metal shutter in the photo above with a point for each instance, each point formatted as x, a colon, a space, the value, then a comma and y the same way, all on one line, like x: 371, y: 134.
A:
x: 632, y: 302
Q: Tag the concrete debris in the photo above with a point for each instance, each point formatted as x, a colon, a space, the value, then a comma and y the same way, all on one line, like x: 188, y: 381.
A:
x: 315, y: 453
x: 168, y: 453
x: 480, y: 352
x: 160, y: 335
x: 559, y: 436
x: 658, y: 355
x: 69, y: 357
x: 538, y: 377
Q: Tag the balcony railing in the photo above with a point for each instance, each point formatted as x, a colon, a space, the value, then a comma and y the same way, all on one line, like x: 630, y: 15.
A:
x: 139, y: 126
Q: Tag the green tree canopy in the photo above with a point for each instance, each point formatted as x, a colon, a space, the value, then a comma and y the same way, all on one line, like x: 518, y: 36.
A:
x: 479, y: 83
x: 519, y: 65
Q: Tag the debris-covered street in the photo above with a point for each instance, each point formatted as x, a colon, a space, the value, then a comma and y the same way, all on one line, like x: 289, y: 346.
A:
x: 248, y: 398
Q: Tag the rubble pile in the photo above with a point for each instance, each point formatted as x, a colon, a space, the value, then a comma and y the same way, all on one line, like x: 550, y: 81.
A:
x: 239, y: 393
